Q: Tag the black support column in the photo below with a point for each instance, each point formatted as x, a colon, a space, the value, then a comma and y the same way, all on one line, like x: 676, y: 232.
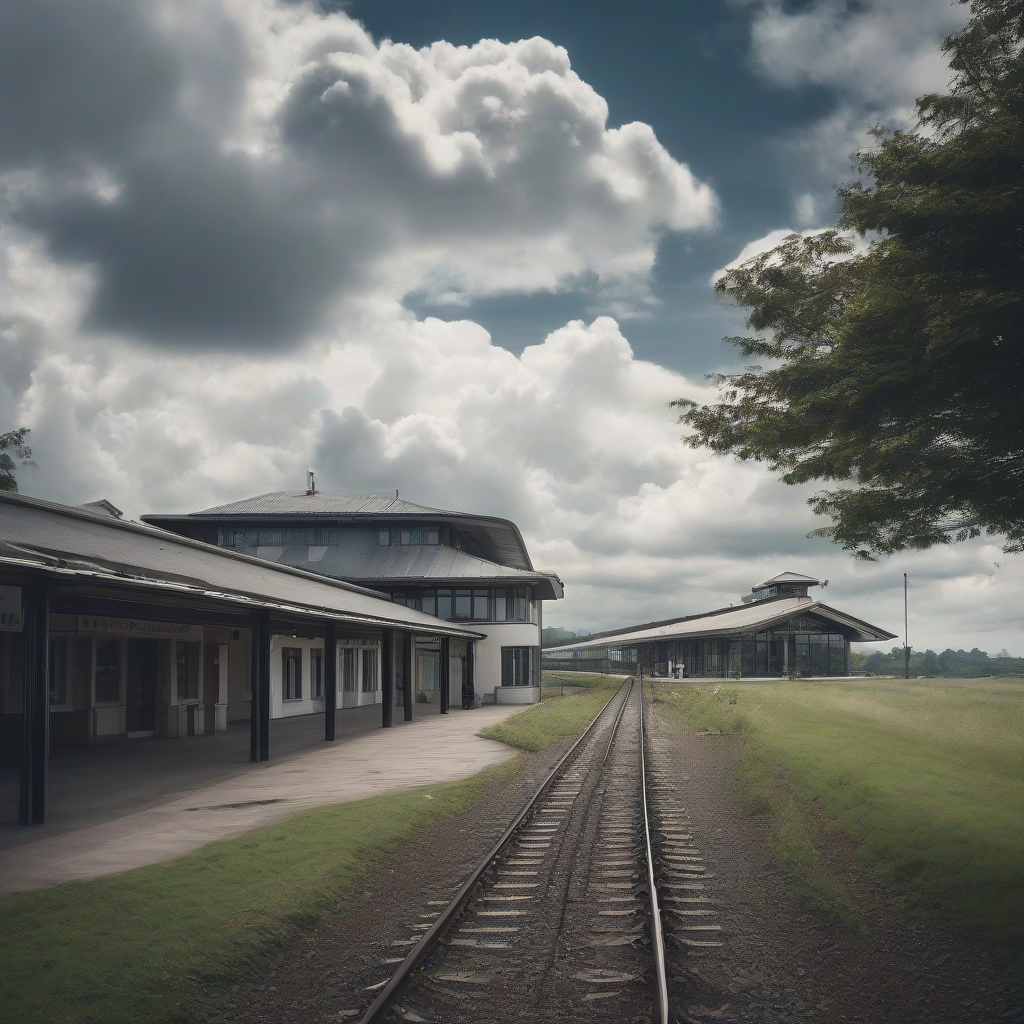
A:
x: 259, y: 714
x: 446, y: 673
x: 387, y: 681
x: 470, y: 689
x: 330, y: 681
x: 35, y: 748
x: 409, y: 669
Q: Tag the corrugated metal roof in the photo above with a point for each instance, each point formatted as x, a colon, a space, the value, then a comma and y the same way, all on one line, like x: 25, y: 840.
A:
x: 79, y: 541
x: 319, y: 503
x: 362, y: 558
x: 749, y: 618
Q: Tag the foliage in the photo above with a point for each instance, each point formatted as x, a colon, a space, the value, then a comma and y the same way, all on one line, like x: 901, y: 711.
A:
x: 896, y: 340
x: 161, y: 944
x: 14, y: 452
x: 949, y: 664
x: 925, y: 778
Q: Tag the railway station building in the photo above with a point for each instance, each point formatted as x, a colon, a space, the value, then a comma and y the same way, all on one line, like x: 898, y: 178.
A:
x: 782, y: 631
x: 117, y: 630
x: 468, y: 569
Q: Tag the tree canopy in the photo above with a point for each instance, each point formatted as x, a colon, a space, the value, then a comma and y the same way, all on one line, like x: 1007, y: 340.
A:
x: 13, y: 452
x: 894, y: 342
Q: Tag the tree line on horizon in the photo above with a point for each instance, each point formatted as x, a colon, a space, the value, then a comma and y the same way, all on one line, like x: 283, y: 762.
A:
x: 949, y: 664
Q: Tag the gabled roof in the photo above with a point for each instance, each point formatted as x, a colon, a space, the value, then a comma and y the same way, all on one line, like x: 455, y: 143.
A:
x: 318, y: 503
x: 497, y: 540
x: 75, y: 545
x: 748, y: 618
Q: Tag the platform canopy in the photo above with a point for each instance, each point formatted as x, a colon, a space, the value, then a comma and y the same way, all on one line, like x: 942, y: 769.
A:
x: 735, y: 621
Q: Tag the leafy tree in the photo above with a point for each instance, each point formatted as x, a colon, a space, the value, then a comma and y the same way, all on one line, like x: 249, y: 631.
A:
x: 13, y: 452
x: 895, y: 341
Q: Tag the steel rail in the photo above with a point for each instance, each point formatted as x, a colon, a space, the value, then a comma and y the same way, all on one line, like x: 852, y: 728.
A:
x: 380, y: 1005
x: 657, y: 937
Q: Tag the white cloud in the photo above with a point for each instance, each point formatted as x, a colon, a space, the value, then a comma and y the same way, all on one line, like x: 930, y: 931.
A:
x: 312, y: 178
x: 878, y: 56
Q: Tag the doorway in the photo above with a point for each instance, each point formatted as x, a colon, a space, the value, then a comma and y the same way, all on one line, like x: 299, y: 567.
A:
x: 143, y: 659
x: 428, y: 674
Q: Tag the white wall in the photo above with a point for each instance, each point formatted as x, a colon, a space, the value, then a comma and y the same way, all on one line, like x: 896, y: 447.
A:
x: 487, y: 666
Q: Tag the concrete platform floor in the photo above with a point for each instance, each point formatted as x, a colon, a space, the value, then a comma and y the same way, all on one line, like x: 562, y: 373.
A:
x: 139, y: 802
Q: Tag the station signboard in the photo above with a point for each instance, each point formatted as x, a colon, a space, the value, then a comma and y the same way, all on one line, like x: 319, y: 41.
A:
x: 145, y: 629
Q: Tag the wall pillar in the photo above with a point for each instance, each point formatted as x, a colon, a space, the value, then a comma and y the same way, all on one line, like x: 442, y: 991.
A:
x: 409, y: 676
x: 446, y: 673
x: 469, y: 701
x: 330, y: 681
x: 387, y: 677
x: 35, y: 748
x: 259, y: 714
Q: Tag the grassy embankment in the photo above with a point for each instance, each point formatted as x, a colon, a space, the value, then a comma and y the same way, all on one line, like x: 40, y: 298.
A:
x: 162, y: 944
x: 925, y: 777
x: 540, y: 725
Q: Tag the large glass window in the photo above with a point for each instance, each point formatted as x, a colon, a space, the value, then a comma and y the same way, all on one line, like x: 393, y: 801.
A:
x: 58, y: 671
x: 519, y: 666
x: 463, y: 603
x: 291, y: 663
x: 316, y: 672
x: 481, y: 603
x: 108, y: 671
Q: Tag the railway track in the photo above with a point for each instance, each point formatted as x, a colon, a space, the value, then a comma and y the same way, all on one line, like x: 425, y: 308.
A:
x: 563, y: 920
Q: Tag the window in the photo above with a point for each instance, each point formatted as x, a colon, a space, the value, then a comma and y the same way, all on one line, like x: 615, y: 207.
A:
x: 316, y: 672
x: 463, y: 604
x: 291, y: 659
x: 348, y: 670
x: 428, y: 602
x: 444, y: 604
x: 481, y: 604
x: 519, y: 665
x: 108, y: 671
x: 418, y: 536
x: 499, y: 606
x: 369, y: 669
x: 58, y: 671
x: 186, y: 670
x: 384, y: 538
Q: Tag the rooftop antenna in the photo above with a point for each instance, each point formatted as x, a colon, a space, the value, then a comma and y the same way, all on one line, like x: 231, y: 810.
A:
x: 396, y: 493
x: 310, y: 482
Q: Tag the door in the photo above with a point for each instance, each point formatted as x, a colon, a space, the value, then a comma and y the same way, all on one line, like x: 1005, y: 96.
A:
x: 428, y: 674
x: 142, y: 671
x: 349, y: 695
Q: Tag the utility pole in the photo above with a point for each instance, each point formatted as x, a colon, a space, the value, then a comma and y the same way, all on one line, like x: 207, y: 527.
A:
x: 906, y: 632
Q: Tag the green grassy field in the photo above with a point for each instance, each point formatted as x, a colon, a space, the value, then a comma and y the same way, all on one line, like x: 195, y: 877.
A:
x: 926, y: 777
x: 162, y: 944
x: 539, y: 726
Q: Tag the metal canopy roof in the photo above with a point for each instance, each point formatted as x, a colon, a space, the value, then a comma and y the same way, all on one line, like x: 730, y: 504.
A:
x: 361, y: 558
x: 497, y: 540
x: 749, y: 618
x: 76, y: 545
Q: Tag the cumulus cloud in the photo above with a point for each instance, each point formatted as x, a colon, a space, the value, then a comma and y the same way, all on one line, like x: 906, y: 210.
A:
x: 877, y: 58
x: 231, y: 172
x: 210, y: 212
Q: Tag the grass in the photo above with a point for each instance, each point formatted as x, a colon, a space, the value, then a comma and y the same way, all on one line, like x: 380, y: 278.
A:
x: 925, y: 777
x: 161, y: 944
x: 539, y: 726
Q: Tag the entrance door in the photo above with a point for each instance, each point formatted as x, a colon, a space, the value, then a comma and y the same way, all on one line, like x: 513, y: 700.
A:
x: 142, y: 672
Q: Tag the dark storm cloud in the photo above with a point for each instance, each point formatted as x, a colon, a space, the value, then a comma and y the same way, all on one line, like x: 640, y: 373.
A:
x: 209, y: 250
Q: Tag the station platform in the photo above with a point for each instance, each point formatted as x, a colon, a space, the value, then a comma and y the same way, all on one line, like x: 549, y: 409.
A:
x: 138, y: 802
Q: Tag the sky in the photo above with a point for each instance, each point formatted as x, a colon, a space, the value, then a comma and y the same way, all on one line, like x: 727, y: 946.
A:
x: 464, y: 250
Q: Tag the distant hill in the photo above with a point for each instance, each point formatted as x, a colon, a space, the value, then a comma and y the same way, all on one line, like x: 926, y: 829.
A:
x: 949, y: 664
